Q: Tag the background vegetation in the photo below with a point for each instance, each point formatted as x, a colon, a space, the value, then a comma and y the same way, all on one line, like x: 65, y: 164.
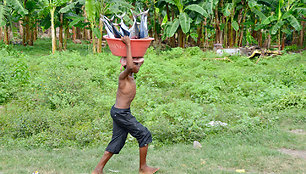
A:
x: 64, y: 99
x: 54, y: 108
x: 202, y: 23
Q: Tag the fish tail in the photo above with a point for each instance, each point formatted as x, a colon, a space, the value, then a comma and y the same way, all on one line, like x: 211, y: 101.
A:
x: 121, y: 17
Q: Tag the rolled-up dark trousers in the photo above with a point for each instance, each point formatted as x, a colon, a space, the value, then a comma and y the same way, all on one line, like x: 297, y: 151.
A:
x: 123, y: 123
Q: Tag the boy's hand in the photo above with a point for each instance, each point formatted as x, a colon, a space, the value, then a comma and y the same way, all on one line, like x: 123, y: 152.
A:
x: 126, y: 40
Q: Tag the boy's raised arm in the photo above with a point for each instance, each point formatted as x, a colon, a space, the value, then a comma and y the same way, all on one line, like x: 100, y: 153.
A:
x: 129, y: 59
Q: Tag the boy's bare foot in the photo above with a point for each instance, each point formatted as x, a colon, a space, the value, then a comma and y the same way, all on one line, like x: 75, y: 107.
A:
x: 148, y: 170
x: 97, y: 172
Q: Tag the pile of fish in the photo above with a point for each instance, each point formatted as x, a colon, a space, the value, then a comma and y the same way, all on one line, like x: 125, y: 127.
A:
x: 137, y: 31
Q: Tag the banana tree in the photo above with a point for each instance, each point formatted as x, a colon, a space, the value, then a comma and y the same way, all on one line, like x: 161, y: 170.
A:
x: 51, y: 6
x: 282, y: 19
x: 181, y: 24
x: 96, y: 8
x: 70, y: 17
x: 109, y: 7
x: 30, y: 20
x: 211, y: 21
x: 7, y: 11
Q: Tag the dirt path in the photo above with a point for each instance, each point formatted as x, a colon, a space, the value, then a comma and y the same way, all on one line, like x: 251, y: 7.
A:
x: 294, y: 152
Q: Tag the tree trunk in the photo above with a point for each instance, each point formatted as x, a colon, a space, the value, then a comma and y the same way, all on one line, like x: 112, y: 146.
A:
x: 78, y: 33
x: 1, y: 36
x: 93, y: 41
x: 279, y: 39
x: 60, y: 34
x: 52, y: 10
x: 231, y: 34
x: 84, y: 33
x: 154, y: 25
x: 73, y: 34
x: 90, y: 34
x: 36, y: 32
x: 172, y: 39
x: 206, y: 35
x: 20, y: 28
x: 99, y: 46
x: 226, y: 33
x: 241, y: 37
x: 237, y: 38
x: 199, y: 32
x: 293, y: 37
x: 217, y: 25
x: 6, y: 35
x: 259, y: 34
x: 239, y: 22
x: 242, y: 28
x: 31, y: 36
x: 302, y: 33
x: 27, y: 32
x: 180, y: 38
x: 283, y: 41
x: 66, y: 35
x: 269, y: 40
x: 24, y: 31
x: 203, y: 33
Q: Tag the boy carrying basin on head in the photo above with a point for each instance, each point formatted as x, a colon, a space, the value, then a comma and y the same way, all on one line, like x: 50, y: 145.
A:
x: 123, y: 121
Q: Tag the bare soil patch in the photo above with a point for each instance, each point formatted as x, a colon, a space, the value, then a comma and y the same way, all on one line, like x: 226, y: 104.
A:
x: 294, y: 153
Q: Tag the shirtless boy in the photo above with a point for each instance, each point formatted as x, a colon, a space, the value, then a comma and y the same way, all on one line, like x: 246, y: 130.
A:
x: 123, y: 121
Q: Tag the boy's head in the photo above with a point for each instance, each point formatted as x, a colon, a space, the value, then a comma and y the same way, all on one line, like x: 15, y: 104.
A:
x: 137, y: 62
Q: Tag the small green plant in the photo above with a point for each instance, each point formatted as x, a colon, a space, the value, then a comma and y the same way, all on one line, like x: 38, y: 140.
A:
x: 293, y: 47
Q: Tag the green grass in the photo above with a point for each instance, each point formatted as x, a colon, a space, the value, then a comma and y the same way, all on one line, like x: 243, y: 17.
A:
x: 54, y: 114
x: 255, y: 152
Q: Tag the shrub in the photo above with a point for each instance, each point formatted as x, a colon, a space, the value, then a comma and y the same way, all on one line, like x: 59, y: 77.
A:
x: 14, y: 75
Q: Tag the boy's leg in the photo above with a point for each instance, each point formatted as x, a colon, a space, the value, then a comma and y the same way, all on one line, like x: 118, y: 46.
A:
x: 114, y: 147
x: 143, y: 167
x: 99, y: 169
x: 143, y: 136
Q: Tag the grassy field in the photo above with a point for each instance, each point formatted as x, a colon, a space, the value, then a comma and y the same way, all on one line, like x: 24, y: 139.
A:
x: 256, y: 152
x: 54, y: 111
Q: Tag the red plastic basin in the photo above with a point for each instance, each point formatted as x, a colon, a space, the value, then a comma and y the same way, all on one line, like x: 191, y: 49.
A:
x: 138, y: 46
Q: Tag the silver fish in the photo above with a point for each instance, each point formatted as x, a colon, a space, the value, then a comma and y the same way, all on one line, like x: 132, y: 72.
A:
x: 108, y: 27
x: 144, y: 24
x: 116, y: 33
x: 123, y: 28
x: 134, y: 30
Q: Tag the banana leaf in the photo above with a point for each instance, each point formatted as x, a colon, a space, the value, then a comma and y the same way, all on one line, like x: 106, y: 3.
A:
x: 197, y: 8
x: 184, y: 22
x: 174, y: 27
x: 235, y: 25
x: 294, y: 23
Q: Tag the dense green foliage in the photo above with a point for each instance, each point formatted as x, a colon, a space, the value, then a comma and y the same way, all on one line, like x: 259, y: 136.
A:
x: 202, y: 23
x: 64, y: 99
